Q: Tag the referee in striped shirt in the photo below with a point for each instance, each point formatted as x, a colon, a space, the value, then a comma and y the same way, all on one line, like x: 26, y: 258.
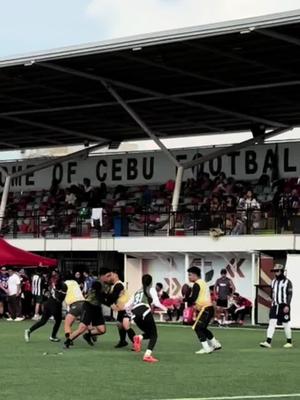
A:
x: 282, y: 291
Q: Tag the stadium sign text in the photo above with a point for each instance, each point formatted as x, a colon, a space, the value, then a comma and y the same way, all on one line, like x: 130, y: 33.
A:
x: 150, y: 168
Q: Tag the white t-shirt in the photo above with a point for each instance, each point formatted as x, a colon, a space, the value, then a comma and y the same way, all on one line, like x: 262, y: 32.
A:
x: 12, y: 284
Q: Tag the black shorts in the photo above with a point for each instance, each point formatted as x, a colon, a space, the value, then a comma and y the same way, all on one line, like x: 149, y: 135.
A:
x: 222, y: 303
x: 3, y: 297
x: 276, y: 312
x: 121, y: 315
x: 205, y: 316
x: 38, y: 299
x: 76, y: 308
x: 92, y: 315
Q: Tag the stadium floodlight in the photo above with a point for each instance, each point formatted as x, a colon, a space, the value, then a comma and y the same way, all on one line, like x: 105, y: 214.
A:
x: 114, y: 145
x: 248, y: 30
x: 29, y: 63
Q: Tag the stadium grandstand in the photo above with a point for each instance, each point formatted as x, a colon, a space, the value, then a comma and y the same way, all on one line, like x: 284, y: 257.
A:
x: 223, y: 78
x: 225, y: 212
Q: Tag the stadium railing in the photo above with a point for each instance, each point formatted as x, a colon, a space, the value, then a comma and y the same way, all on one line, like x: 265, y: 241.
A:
x: 149, y: 222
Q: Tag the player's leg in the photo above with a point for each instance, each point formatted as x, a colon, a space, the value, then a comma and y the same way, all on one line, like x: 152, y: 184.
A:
x: 57, y: 314
x: 207, y: 340
x: 121, y: 330
x: 206, y: 318
x: 45, y: 317
x: 127, y: 326
x: 98, y: 325
x: 69, y: 321
x: 145, y: 321
x: 85, y: 321
x: 284, y: 318
x: 271, y: 328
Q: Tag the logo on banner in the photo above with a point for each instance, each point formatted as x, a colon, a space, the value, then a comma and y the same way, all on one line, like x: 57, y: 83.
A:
x: 174, y: 287
x: 237, y: 268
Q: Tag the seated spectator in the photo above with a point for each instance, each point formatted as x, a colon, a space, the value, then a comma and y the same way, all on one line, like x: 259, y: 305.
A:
x: 173, y: 305
x: 248, y: 202
x: 239, y: 308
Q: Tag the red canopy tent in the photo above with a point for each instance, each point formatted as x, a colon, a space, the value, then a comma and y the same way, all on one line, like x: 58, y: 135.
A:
x: 12, y: 256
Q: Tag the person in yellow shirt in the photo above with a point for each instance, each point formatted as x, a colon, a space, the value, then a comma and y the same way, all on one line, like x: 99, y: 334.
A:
x: 74, y: 301
x: 200, y: 298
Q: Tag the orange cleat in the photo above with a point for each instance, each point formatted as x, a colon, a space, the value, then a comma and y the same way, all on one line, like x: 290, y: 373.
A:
x: 150, y: 359
x: 137, y: 344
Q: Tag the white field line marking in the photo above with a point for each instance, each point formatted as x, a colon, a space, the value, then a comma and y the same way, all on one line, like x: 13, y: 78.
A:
x: 263, y: 396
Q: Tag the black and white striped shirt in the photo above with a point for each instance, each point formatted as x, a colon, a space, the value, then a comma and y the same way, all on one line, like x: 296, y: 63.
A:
x: 37, y: 285
x: 282, y: 291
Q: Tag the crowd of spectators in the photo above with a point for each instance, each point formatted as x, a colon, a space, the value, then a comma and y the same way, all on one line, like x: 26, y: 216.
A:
x: 23, y: 292
x: 235, y: 206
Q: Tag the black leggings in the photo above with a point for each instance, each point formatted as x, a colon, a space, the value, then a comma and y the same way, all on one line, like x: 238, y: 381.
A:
x: 50, y: 307
x: 201, y: 324
x: 144, y: 320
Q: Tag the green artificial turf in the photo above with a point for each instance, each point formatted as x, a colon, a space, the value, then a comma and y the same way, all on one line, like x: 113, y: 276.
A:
x: 102, y: 372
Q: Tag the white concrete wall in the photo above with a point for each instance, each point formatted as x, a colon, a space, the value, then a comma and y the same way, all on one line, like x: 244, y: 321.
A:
x: 164, y: 244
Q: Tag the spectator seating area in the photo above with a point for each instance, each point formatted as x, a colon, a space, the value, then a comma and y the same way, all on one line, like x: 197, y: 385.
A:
x: 237, y: 207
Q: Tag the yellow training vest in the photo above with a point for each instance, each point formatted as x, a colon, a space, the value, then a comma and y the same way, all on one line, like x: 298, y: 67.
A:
x: 73, y: 293
x: 123, y: 297
x: 203, y: 299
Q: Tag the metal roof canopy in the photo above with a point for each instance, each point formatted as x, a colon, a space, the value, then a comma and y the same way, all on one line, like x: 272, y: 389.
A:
x: 211, y: 79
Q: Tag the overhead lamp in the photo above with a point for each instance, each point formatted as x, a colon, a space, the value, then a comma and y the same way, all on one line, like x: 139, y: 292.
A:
x: 247, y: 30
x: 29, y: 63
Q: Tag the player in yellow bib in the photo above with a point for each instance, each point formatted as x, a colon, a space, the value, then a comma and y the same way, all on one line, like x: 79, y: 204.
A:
x: 200, y: 298
x: 116, y: 299
x: 74, y: 301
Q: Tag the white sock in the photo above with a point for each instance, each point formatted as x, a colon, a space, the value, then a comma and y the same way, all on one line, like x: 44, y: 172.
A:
x: 148, y: 353
x: 287, y: 330
x: 271, y: 328
x: 206, y: 346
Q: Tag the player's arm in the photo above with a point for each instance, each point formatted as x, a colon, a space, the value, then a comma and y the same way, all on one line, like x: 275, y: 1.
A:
x: 216, y: 288
x: 194, y: 295
x: 289, y: 292
x: 155, y: 300
x: 115, y: 294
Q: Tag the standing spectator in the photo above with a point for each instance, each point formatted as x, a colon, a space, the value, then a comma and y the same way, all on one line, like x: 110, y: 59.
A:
x: 3, y: 290
x: 26, y: 294
x: 88, y: 282
x: 280, y: 312
x: 14, y: 296
x: 223, y: 289
x: 37, y: 285
x: 88, y: 190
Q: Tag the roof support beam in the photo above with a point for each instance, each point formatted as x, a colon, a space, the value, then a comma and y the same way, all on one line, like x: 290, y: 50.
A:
x: 139, y: 89
x: 279, y: 36
x: 236, y: 57
x: 77, y: 154
x: 179, y: 71
x: 46, y: 110
x: 140, y: 122
x: 223, y: 151
x: 82, y: 135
